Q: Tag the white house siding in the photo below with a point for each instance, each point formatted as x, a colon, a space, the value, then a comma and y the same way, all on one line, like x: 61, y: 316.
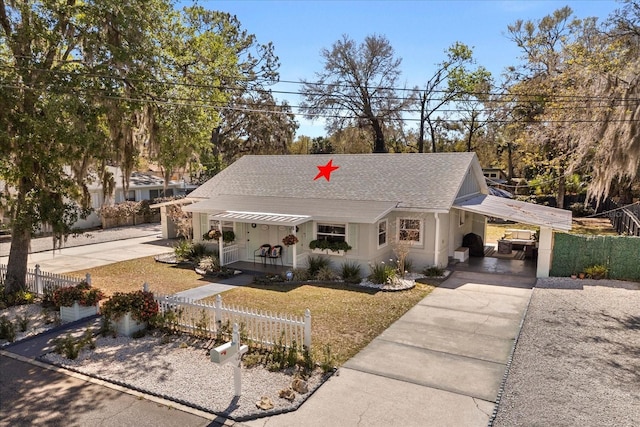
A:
x: 469, y: 185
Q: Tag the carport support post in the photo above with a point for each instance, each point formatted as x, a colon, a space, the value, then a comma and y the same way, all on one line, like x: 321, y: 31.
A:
x: 545, y: 244
x: 295, y: 252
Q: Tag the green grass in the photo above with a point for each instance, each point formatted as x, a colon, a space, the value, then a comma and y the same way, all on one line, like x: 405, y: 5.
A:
x: 343, y: 317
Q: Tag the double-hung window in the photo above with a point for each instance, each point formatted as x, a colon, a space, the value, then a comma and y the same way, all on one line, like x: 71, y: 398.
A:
x: 332, y: 232
x: 410, y: 230
x: 383, y: 226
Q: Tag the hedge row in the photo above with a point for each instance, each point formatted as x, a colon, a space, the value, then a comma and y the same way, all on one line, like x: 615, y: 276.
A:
x: 573, y: 253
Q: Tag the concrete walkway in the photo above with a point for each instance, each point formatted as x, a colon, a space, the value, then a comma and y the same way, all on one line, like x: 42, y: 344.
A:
x: 441, y: 364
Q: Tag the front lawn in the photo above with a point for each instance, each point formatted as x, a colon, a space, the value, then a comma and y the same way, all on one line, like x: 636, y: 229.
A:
x: 345, y: 318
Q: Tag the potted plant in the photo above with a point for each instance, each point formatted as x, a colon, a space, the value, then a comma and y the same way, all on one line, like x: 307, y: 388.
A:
x: 228, y: 236
x: 327, y: 247
x: 77, y: 302
x: 212, y: 234
x: 130, y: 312
x: 289, y: 239
x: 597, y: 271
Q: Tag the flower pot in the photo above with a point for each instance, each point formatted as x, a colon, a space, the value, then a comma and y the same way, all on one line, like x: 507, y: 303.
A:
x: 582, y: 275
x: 77, y: 312
x: 127, y: 326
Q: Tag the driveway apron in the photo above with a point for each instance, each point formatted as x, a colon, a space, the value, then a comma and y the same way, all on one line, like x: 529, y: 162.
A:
x: 441, y: 364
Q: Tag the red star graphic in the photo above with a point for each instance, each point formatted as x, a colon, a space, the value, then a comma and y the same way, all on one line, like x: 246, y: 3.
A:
x: 325, y: 171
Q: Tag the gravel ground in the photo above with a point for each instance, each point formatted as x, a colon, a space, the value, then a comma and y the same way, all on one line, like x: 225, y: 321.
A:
x: 38, y: 320
x: 577, y: 361
x: 41, y: 244
x: 184, y: 372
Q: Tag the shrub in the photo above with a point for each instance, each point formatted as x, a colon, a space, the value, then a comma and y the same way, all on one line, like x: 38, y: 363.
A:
x: 140, y: 304
x: 382, y: 273
x: 300, y: 274
x: 82, y: 293
x: 326, y: 273
x: 580, y: 210
x: 182, y: 250
x: 209, y: 264
x: 70, y: 346
x: 597, y: 271
x: 316, y: 263
x: 433, y: 271
x: 350, y: 272
x: 7, y: 329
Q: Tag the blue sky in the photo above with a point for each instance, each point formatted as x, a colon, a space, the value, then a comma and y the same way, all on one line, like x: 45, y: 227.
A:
x: 419, y: 32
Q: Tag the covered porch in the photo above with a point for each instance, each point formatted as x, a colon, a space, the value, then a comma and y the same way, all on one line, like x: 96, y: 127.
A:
x: 546, y: 218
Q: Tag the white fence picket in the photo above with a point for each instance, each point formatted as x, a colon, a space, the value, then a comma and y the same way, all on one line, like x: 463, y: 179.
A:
x: 260, y: 327
x: 40, y: 282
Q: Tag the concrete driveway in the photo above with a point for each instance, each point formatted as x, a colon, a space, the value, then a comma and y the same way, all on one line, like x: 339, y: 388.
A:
x: 441, y: 364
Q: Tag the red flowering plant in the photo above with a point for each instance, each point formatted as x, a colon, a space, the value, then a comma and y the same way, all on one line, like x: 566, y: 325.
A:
x: 140, y: 304
x: 82, y: 293
x: 289, y: 240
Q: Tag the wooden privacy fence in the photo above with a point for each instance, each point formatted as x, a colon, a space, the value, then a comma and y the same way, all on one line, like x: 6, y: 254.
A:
x: 259, y: 327
x: 40, y: 282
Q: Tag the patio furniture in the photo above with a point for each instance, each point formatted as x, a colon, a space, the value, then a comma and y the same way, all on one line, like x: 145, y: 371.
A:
x: 262, y: 252
x: 505, y: 246
x: 276, y: 253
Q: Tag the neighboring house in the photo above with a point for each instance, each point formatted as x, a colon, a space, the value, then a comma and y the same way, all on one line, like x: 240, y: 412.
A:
x: 372, y: 201
x: 495, y: 176
x: 142, y: 186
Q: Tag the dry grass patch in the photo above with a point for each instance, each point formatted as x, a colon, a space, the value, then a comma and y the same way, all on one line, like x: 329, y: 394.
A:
x: 127, y: 276
x: 588, y: 226
x: 344, y: 318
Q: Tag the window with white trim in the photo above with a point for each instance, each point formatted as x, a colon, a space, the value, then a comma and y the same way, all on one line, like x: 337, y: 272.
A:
x: 383, y: 226
x: 331, y: 232
x: 410, y: 230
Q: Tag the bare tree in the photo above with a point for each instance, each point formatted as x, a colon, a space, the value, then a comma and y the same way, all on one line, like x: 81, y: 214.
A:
x: 357, y: 87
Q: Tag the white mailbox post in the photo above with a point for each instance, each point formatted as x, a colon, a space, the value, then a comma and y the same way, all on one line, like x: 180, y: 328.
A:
x: 231, y: 351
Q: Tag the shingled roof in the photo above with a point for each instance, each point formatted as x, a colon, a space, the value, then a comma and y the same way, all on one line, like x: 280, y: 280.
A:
x: 426, y: 181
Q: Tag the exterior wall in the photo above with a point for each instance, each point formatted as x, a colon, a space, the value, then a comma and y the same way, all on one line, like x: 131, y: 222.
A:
x: 463, y: 223
x: 470, y: 185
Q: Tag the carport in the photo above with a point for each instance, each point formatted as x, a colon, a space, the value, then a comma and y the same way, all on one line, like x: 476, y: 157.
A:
x: 545, y: 217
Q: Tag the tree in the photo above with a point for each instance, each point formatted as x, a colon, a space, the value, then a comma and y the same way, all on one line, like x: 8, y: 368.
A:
x: 357, y: 87
x: 442, y: 89
x: 79, y: 84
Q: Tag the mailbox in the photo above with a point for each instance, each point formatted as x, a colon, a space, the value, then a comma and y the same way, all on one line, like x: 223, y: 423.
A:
x: 223, y: 353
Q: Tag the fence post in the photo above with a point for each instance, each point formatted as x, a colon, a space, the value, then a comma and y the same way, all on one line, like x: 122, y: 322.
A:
x: 87, y: 278
x: 307, y: 329
x: 145, y: 287
x: 218, y: 312
x: 39, y: 287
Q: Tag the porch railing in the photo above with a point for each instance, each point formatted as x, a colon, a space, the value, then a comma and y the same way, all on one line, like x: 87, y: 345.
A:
x: 229, y: 254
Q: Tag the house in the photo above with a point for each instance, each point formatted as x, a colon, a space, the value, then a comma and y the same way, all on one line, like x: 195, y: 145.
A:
x: 374, y: 202
x: 495, y: 176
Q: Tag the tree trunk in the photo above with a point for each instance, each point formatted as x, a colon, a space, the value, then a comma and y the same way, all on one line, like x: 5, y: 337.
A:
x: 379, y: 146
x: 17, y: 264
x: 561, y: 188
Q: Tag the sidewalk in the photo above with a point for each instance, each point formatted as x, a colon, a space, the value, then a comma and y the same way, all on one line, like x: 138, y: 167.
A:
x: 441, y: 364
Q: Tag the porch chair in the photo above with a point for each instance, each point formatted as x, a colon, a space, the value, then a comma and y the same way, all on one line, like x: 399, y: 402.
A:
x: 275, y: 253
x: 263, y: 252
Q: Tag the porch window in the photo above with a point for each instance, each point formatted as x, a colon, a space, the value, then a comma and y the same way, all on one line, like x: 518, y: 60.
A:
x: 130, y: 196
x: 382, y: 232
x: 410, y: 230
x: 332, y: 232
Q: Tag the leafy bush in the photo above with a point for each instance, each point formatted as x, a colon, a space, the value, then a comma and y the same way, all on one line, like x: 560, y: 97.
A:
x: 332, y: 246
x: 316, y: 263
x: 140, y: 304
x: 597, y: 271
x: 7, y: 329
x: 382, y: 273
x: 182, y: 250
x: 70, y: 346
x: 350, y: 272
x: 82, y: 293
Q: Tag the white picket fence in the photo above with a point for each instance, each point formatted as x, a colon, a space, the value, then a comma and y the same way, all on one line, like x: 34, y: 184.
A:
x: 229, y: 254
x: 40, y: 282
x: 259, y: 327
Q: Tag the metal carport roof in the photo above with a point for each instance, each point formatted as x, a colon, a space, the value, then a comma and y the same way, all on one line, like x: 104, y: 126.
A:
x: 515, y: 210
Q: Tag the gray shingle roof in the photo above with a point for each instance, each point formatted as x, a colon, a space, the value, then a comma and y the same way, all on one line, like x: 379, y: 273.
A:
x: 429, y: 181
